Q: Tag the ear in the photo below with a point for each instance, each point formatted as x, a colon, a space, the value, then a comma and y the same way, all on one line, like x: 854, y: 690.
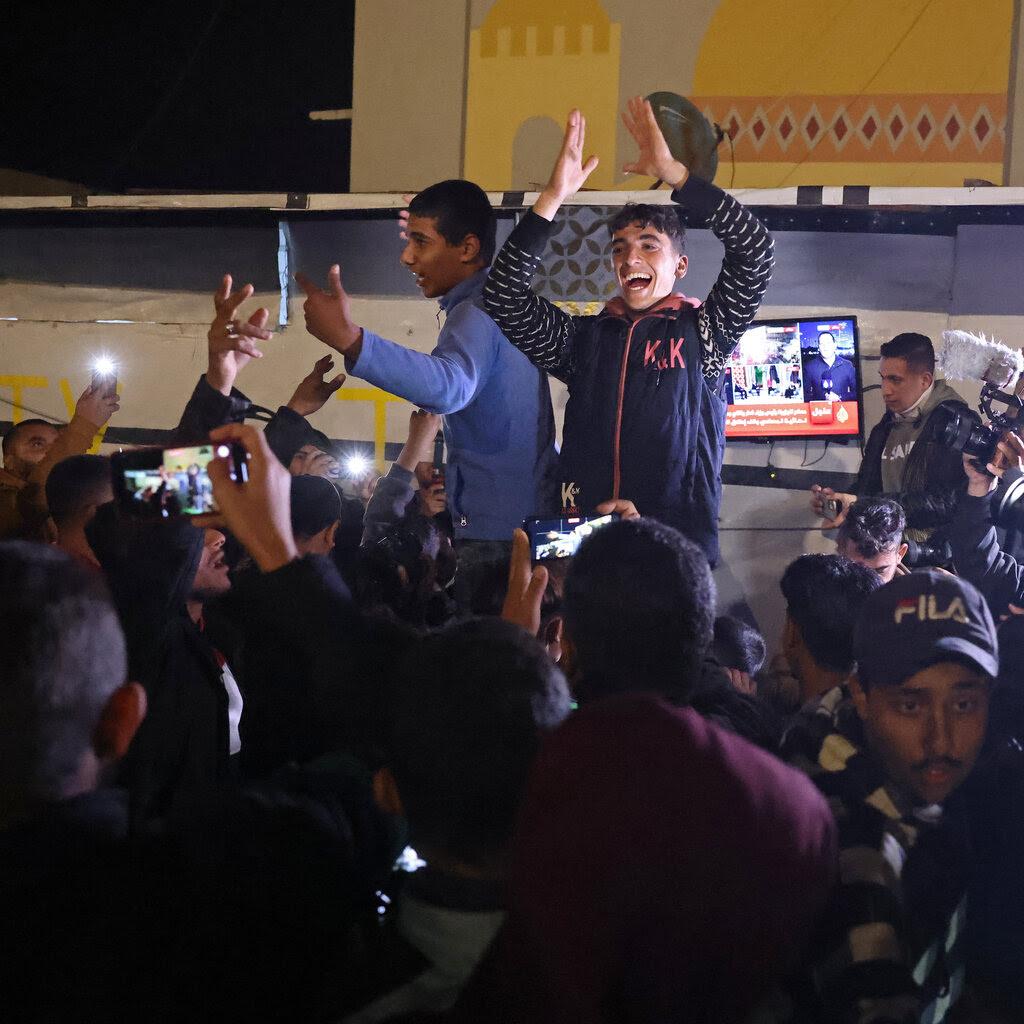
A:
x: 860, y: 696
x: 791, y: 638
x: 552, y: 637
x: 330, y: 532
x: 385, y: 792
x: 470, y: 247
x: 681, y: 266
x: 119, y: 720
x: 904, y: 548
x: 928, y: 377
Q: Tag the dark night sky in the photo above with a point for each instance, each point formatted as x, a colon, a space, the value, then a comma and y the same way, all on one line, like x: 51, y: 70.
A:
x: 126, y: 96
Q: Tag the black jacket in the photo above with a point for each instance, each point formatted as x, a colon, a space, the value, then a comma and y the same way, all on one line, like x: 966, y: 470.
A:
x: 645, y: 418
x: 978, y: 557
x: 933, y: 478
x: 182, y: 746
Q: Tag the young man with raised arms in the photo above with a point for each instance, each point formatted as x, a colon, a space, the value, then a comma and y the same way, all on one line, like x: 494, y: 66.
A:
x: 645, y: 418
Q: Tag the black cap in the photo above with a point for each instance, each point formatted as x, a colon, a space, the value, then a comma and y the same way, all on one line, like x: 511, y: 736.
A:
x: 918, y: 620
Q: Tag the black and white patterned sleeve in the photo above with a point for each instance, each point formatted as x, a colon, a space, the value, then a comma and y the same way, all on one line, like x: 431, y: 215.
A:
x: 538, y: 328
x: 746, y: 270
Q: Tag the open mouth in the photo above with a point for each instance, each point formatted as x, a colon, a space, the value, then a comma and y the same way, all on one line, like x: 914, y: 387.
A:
x: 635, y: 281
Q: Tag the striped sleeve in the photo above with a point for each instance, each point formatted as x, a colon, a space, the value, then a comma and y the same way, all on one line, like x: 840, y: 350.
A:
x: 538, y: 328
x: 746, y: 270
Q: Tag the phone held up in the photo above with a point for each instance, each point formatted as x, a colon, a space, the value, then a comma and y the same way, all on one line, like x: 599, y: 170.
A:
x: 172, y: 481
x: 559, y: 538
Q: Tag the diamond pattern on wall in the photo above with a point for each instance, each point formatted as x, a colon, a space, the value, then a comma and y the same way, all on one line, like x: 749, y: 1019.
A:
x: 785, y: 128
x: 896, y: 126
x: 908, y: 128
x: 813, y: 126
x: 953, y: 128
x: 870, y: 127
x: 981, y: 127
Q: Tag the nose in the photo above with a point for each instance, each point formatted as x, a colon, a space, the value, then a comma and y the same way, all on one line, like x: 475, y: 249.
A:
x: 214, y: 539
x: 938, y: 739
x: 406, y: 257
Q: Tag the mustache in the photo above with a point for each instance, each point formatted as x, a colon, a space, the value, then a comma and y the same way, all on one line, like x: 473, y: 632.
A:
x: 938, y: 762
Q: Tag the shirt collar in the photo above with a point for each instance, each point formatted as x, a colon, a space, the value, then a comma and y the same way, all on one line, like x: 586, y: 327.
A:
x: 914, y: 412
x: 463, y: 290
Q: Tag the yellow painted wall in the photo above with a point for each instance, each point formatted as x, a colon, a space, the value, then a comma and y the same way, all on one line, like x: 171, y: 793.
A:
x: 882, y: 92
x: 534, y: 58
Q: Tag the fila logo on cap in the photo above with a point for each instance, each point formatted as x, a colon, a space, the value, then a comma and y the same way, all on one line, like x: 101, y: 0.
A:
x: 924, y: 608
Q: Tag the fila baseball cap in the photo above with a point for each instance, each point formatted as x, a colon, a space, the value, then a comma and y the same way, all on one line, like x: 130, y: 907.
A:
x: 918, y: 620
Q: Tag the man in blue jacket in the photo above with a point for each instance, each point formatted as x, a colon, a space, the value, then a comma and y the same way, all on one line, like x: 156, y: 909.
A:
x: 496, y: 407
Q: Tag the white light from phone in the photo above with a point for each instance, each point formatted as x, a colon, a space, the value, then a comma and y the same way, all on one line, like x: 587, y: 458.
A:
x: 357, y: 465
x: 104, y: 367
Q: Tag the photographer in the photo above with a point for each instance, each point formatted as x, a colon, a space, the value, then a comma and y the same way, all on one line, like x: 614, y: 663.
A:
x: 901, y: 462
x: 976, y: 552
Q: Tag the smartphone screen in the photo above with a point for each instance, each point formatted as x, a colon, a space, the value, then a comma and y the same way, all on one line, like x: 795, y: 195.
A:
x: 106, y: 381
x: 559, y: 538
x: 174, y: 479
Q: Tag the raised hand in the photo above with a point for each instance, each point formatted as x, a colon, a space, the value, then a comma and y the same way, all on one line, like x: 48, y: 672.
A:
x: 525, y: 586
x: 328, y: 317
x: 570, y: 170
x: 625, y: 508
x: 313, y: 391
x: 423, y: 428
x: 258, y: 511
x: 655, y: 159
x: 403, y: 216
x: 231, y: 343
x: 96, y: 405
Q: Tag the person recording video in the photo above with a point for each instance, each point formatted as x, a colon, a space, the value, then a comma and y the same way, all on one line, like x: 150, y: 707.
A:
x: 923, y: 477
x: 972, y: 537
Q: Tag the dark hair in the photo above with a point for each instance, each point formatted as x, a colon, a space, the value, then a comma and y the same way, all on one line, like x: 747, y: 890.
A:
x: 738, y: 645
x: 417, y: 546
x: 315, y: 504
x: 460, y: 208
x: 11, y: 434
x: 76, y: 482
x: 873, y: 525
x: 824, y: 595
x: 662, y: 218
x: 64, y: 655
x: 915, y: 349
x: 470, y: 706
x: 639, y: 607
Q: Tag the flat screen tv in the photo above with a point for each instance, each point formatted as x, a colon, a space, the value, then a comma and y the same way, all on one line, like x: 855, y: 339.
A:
x: 797, y: 378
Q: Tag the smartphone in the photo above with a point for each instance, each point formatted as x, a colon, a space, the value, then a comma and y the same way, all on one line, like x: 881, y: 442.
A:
x: 172, y: 481
x: 833, y: 508
x: 559, y: 538
x: 105, y: 378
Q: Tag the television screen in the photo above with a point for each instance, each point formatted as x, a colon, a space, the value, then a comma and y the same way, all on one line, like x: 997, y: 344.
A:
x: 797, y: 378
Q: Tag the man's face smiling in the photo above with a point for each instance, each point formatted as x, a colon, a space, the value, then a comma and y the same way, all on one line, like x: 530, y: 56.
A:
x: 926, y: 732
x: 646, y: 265
x: 437, y: 265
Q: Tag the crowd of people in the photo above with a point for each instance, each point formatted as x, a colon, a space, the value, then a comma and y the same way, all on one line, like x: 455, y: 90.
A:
x: 316, y: 757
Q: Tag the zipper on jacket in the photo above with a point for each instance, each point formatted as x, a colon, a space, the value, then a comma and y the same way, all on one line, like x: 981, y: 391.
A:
x: 616, y: 475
